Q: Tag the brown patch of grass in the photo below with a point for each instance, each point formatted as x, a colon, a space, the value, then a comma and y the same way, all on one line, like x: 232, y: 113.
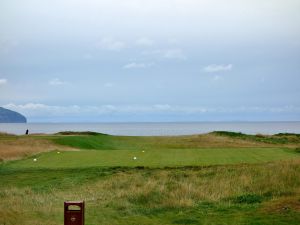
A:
x: 213, y: 140
x: 130, y: 190
x: 202, y: 141
x: 283, y: 205
x: 16, y: 147
x: 185, y: 188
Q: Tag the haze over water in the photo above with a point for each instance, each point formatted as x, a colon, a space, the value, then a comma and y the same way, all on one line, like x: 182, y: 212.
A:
x: 149, y: 129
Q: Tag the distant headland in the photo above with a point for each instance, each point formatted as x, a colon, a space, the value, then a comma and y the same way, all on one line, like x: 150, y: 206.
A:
x: 9, y: 116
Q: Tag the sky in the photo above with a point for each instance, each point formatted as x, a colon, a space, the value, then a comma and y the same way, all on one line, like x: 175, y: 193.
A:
x: 150, y: 61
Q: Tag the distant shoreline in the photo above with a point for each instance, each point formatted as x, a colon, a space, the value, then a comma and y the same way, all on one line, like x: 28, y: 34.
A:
x: 155, y: 129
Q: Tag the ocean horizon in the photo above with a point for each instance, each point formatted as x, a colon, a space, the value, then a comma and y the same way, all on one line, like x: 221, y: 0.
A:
x: 154, y: 128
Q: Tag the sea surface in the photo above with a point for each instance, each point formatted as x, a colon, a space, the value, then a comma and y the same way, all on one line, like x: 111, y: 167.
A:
x: 156, y: 129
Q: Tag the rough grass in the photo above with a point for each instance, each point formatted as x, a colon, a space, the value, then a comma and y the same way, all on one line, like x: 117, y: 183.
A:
x: 16, y: 147
x: 281, y: 138
x: 165, y: 185
x: 239, y: 194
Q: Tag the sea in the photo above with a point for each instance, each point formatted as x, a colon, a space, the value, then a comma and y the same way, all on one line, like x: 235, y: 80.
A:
x: 154, y: 129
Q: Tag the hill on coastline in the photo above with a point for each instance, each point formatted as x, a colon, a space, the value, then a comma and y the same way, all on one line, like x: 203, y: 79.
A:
x: 9, y: 116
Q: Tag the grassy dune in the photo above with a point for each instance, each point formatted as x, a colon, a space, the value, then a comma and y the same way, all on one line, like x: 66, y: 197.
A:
x: 250, y: 179
x: 16, y: 147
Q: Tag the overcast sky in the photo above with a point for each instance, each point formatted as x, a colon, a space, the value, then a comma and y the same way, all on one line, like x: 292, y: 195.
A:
x: 158, y: 60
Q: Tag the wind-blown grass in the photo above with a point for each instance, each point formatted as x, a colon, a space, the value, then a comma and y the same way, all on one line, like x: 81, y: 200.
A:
x: 218, y: 178
x: 237, y: 194
x: 16, y: 147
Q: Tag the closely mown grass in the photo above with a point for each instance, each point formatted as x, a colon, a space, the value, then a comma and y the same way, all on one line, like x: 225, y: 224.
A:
x: 238, y: 194
x: 154, y: 158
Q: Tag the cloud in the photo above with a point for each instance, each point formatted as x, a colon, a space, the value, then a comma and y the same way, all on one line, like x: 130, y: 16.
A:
x: 110, y: 44
x: 162, y: 107
x: 56, y: 82
x: 175, y: 53
x: 27, y: 106
x: 3, y: 81
x: 145, y: 42
x: 137, y: 65
x: 52, y: 113
x: 43, y: 110
x: 39, y: 109
x: 213, y: 68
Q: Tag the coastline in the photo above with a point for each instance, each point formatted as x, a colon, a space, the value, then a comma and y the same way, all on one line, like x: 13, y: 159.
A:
x: 155, y: 128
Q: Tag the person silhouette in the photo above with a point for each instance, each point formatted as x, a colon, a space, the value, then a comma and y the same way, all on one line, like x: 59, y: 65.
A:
x: 27, y: 131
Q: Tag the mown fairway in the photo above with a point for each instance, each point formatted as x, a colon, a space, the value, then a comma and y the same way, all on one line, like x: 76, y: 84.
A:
x: 218, y: 178
x: 154, y: 158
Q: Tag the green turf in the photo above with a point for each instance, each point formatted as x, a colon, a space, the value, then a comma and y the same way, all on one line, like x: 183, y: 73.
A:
x: 109, y: 142
x: 154, y: 158
x: 37, y: 187
x: 156, y: 188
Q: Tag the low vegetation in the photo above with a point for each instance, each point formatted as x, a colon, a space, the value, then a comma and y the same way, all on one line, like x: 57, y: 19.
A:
x: 173, y: 180
x: 240, y: 194
x: 281, y: 138
x: 16, y: 147
x: 91, y: 140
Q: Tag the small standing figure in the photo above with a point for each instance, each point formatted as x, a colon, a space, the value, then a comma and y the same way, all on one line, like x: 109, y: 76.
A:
x: 27, y: 131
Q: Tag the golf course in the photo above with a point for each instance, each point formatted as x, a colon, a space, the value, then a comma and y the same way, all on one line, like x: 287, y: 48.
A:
x: 215, y: 178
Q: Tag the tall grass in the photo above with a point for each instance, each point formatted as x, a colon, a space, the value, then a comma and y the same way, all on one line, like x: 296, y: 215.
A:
x: 17, y: 148
x: 138, y: 193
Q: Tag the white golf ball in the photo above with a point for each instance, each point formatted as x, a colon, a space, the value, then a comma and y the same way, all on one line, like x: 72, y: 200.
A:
x: 34, y: 160
x: 143, y: 151
x: 58, y: 152
x: 134, y: 158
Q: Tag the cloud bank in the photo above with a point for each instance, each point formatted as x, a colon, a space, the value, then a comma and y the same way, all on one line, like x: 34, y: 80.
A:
x: 135, y: 65
x: 171, y: 54
x: 3, y: 81
x: 213, y: 68
x: 56, y: 82
x: 110, y: 44
x: 38, y: 110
